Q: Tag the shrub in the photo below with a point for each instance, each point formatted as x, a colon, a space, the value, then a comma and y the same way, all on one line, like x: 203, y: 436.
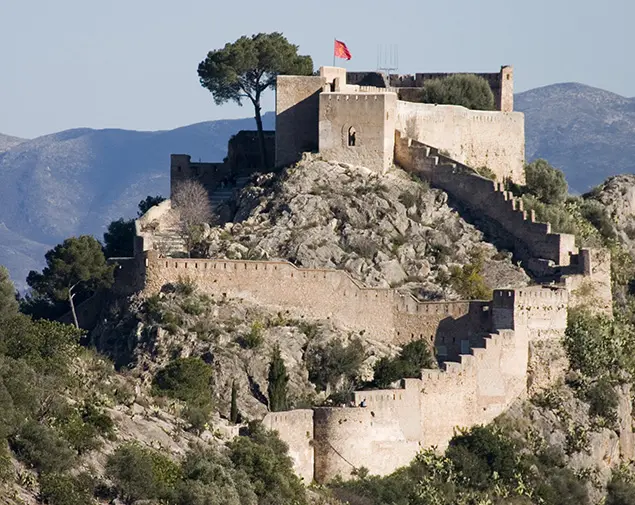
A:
x: 186, y: 379
x: 330, y: 363
x: 545, y: 182
x: 192, y: 307
x: 413, y: 357
x: 560, y: 486
x: 185, y: 286
x: 486, y: 172
x: 42, y: 448
x: 603, y: 400
x: 481, y: 453
x: 596, y: 213
x: 254, y: 338
x: 264, y: 458
x: 620, y: 492
x: 468, y: 282
x: 209, y: 478
x: 140, y: 473
x: 409, y: 199
x: 64, y: 489
x: 597, y: 345
x: 467, y: 90
x: 198, y: 417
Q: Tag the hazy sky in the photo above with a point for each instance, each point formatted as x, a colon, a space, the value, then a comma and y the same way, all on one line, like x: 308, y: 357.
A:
x: 132, y: 63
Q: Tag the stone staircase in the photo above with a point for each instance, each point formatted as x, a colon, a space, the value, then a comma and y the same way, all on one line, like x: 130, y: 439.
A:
x: 222, y: 195
x: 168, y: 239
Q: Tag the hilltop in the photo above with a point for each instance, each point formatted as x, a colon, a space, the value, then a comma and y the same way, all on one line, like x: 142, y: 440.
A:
x: 587, y: 132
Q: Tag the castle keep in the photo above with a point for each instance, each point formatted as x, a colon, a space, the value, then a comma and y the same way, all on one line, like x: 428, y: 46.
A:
x: 491, y: 352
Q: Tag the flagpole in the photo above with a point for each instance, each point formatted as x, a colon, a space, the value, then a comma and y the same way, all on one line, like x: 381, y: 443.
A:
x: 334, y: 41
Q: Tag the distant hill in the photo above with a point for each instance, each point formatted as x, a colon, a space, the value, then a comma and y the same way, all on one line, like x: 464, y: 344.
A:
x: 77, y: 181
x: 587, y: 132
x: 7, y: 142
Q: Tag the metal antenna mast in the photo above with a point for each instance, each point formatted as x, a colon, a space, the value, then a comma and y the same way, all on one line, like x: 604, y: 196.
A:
x: 388, y: 58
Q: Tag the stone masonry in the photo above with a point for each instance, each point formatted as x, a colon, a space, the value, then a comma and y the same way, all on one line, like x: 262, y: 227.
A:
x: 492, y: 352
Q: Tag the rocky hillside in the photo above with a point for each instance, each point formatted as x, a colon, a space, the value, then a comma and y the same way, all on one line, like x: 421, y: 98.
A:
x: 7, y: 142
x: 587, y: 132
x: 386, y: 231
x: 617, y: 195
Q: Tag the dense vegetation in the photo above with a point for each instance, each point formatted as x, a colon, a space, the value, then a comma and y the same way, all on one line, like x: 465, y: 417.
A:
x: 468, y: 90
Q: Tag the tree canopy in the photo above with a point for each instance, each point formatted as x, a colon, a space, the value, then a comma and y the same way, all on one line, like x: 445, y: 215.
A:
x: 469, y: 90
x: 76, y: 265
x: 545, y: 182
x: 248, y: 67
x: 278, y: 380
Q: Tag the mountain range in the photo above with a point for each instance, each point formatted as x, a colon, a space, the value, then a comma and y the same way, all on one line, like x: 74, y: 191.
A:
x: 77, y: 181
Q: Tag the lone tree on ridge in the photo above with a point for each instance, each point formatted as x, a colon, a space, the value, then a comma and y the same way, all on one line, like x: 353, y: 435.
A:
x: 248, y: 67
x: 192, y: 205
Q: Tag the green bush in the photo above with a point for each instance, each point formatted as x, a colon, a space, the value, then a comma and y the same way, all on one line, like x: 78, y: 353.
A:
x: 468, y: 90
x: 186, y: 379
x: 413, y: 357
x: 42, y: 448
x: 64, y: 489
x: 254, y: 338
x: 598, y: 345
x: 468, y: 281
x: 481, y: 453
x: 141, y: 474
x: 486, y: 172
x: 185, y: 286
x: 561, y: 487
x: 603, y: 400
x: 209, y: 478
x: 264, y: 458
x: 409, y: 199
x: 545, y: 182
x: 596, y: 213
x: 328, y: 364
x: 198, y: 417
x: 620, y: 492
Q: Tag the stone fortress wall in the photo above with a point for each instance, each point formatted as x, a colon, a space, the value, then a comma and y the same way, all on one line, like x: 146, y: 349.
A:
x: 487, y: 349
x: 501, y: 84
x: 318, y: 113
x: 485, y: 371
x: 385, y: 315
x: 495, y: 140
x: 585, y: 273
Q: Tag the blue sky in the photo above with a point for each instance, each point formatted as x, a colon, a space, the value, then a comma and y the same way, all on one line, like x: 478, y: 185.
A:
x: 132, y: 63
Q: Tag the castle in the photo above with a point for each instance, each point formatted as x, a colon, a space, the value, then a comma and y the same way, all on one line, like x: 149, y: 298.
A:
x: 492, y: 352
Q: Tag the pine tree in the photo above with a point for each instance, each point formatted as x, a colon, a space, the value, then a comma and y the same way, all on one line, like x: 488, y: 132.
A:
x: 278, y: 379
x: 233, y: 415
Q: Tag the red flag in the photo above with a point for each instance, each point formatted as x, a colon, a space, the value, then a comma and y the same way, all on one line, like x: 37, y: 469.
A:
x: 341, y: 51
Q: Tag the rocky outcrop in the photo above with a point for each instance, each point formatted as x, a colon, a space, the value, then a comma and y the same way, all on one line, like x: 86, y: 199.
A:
x: 617, y: 195
x: 386, y: 231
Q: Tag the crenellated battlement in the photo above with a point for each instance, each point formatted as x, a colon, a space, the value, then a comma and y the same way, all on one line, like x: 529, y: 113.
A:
x: 490, y: 353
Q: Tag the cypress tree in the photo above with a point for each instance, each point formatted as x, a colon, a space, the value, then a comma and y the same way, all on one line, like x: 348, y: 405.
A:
x: 278, y: 379
x: 233, y: 415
